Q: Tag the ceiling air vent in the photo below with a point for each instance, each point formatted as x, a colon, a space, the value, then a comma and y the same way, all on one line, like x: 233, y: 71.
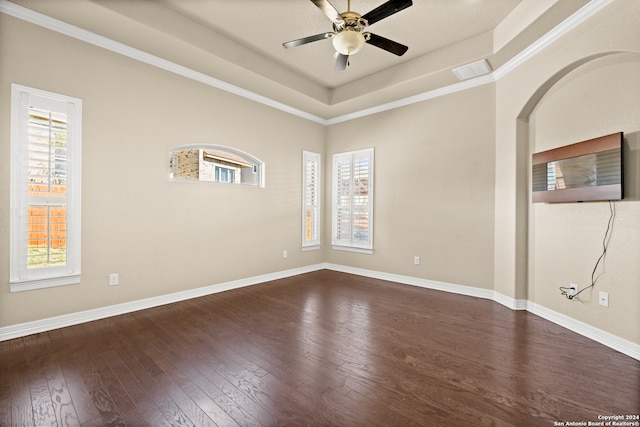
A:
x: 475, y: 69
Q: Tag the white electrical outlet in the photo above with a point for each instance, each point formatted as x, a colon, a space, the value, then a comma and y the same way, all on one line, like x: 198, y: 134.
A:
x: 603, y: 299
x: 416, y: 260
x: 573, y: 289
x: 284, y: 254
x: 113, y: 279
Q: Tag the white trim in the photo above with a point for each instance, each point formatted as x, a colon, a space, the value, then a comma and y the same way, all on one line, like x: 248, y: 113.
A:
x: 61, y: 27
x: 580, y: 16
x: 316, y: 159
x: 414, y: 281
x: 21, y: 277
x: 48, y: 282
x: 424, y: 96
x: 249, y: 158
x: 513, y: 304
x: 352, y: 158
x: 28, y: 15
x: 612, y: 341
x: 352, y: 249
x: 43, y: 325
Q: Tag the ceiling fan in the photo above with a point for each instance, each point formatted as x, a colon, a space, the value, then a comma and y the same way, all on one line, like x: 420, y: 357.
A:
x: 348, y: 35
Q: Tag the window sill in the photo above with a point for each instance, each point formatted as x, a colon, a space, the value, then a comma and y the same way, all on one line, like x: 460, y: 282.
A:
x: 310, y: 248
x: 352, y: 249
x: 50, y: 282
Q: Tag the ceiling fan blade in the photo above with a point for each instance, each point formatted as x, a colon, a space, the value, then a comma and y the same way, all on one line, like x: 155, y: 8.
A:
x: 388, y: 45
x: 328, y: 9
x: 341, y: 62
x: 386, y: 9
x: 305, y: 40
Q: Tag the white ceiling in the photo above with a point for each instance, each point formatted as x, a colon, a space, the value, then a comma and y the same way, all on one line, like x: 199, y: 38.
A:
x: 263, y: 26
x: 240, y: 42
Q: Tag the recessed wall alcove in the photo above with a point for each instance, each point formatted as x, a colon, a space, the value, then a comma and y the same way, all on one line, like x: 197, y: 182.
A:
x: 560, y: 242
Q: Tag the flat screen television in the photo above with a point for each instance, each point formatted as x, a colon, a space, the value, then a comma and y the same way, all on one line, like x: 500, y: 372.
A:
x: 587, y: 171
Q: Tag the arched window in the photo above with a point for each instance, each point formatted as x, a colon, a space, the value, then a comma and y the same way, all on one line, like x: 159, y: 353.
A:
x: 215, y: 163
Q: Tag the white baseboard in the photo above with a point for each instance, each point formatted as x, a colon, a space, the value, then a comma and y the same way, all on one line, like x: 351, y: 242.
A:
x: 612, y: 341
x: 415, y: 281
x: 43, y: 325
x: 619, y: 344
x: 513, y: 304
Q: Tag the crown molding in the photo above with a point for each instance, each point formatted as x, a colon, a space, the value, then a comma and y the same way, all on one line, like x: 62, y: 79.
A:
x: 64, y: 28
x: 414, y: 99
x: 580, y: 16
x: 28, y: 15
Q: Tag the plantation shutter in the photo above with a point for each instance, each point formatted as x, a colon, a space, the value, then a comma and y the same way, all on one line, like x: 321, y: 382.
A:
x: 311, y: 199
x: 353, y: 200
x: 45, y: 189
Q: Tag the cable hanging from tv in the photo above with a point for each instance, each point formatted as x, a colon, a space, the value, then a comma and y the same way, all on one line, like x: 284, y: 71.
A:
x: 566, y: 291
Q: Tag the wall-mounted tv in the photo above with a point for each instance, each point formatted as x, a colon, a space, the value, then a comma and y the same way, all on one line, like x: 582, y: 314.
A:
x: 587, y: 171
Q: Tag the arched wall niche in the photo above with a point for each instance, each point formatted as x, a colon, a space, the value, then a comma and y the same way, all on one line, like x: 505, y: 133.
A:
x: 533, y: 234
x: 524, y: 150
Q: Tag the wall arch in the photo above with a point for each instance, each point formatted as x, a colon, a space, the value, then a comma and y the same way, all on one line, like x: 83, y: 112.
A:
x: 526, y: 135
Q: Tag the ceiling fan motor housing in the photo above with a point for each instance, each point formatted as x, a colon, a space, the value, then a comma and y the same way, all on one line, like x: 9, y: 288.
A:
x: 350, y: 21
x: 349, y: 38
x: 348, y: 35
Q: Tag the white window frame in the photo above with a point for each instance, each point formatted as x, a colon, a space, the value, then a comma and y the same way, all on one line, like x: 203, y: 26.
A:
x: 352, y: 244
x: 257, y: 169
x: 311, y: 164
x: 22, y: 278
x: 227, y: 173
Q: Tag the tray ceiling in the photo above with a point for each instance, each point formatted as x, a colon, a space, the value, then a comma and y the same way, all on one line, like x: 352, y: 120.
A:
x: 240, y: 42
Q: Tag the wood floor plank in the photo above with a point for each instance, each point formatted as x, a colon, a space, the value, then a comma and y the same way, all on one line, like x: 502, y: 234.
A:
x: 63, y: 406
x: 318, y: 349
x: 139, y: 363
x: 21, y: 409
x: 207, y: 404
x: 5, y: 400
x: 41, y: 403
x: 143, y: 401
x: 101, y: 397
x: 38, y: 349
x: 174, y: 380
x: 174, y: 389
x: 116, y: 391
x: 222, y: 374
x: 74, y: 369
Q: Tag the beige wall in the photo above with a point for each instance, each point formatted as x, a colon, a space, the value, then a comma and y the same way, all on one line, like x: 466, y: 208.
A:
x: 452, y: 178
x: 598, y: 98
x: 583, y: 86
x: 160, y: 236
x: 434, y: 178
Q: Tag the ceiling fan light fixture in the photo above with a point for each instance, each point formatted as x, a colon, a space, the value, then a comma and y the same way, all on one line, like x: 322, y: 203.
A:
x: 348, y: 42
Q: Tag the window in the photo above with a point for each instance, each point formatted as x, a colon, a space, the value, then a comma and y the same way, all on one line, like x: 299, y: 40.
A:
x: 353, y: 201
x: 45, y: 189
x: 224, y: 174
x: 215, y: 163
x: 310, y: 200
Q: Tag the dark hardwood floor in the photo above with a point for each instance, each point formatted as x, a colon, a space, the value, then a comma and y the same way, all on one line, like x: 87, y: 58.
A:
x: 319, y: 349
